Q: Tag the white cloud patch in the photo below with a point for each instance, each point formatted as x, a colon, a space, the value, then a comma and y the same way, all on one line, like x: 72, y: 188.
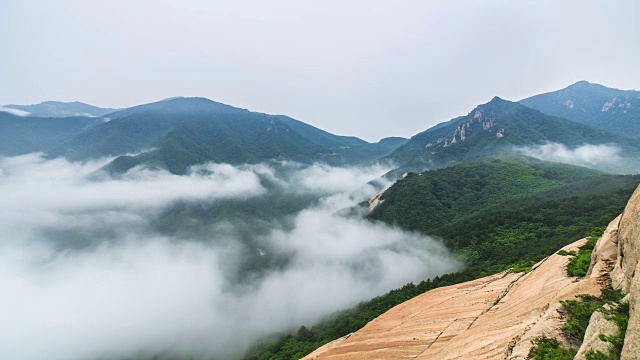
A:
x: 604, y: 156
x: 84, y: 115
x: 136, y: 290
x: 330, y: 180
x: 14, y: 111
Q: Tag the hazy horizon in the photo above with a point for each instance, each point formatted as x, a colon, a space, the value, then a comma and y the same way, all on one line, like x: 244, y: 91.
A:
x: 367, y: 69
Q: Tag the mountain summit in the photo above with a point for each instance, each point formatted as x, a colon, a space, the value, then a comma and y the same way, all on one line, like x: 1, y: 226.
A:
x: 497, y: 126
x: 609, y: 109
x: 179, y: 132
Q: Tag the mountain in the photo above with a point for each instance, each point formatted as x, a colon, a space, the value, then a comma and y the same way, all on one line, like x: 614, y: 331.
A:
x: 25, y: 134
x: 179, y: 132
x: 613, y: 110
x: 499, y: 126
x: 61, y: 109
x: 350, y: 147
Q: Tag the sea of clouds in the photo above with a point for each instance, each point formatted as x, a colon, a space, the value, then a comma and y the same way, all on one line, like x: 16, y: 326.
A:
x: 86, y: 275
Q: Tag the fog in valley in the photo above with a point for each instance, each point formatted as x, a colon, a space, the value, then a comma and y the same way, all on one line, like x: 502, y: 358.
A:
x: 607, y: 157
x: 203, y: 265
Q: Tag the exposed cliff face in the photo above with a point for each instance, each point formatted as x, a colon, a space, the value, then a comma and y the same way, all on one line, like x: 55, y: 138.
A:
x: 497, y: 317
x: 626, y: 274
x: 490, y: 318
x: 479, y: 122
x: 603, y: 260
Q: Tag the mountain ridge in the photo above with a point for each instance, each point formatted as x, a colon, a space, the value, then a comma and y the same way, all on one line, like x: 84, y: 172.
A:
x: 178, y: 132
x: 596, y: 105
x: 25, y: 134
x: 61, y: 109
x: 186, y: 131
x: 497, y: 126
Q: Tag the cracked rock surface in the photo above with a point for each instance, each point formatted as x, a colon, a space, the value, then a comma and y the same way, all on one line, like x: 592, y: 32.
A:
x: 495, y: 317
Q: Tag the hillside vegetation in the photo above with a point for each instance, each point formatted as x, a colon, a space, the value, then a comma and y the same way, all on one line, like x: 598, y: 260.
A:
x: 506, y: 210
x: 22, y: 135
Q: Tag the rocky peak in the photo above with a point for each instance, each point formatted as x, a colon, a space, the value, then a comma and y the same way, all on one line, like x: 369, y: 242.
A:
x: 480, y: 119
x: 581, y: 83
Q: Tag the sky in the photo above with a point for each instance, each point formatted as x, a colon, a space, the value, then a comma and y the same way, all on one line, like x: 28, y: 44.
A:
x: 371, y: 68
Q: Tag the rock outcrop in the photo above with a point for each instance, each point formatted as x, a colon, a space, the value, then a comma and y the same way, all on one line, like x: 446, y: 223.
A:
x: 598, y: 324
x: 497, y: 317
x: 375, y: 201
x: 626, y: 274
x: 603, y: 260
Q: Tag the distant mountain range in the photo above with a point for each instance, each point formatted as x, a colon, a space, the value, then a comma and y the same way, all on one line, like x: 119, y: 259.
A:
x: 498, y: 126
x: 613, y: 110
x: 22, y: 135
x: 179, y: 132
x: 61, y: 109
x: 188, y: 131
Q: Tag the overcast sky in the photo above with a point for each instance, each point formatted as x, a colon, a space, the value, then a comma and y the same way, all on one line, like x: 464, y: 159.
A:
x: 366, y: 68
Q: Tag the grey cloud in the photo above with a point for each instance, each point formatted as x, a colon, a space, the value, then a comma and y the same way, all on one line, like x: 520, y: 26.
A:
x: 602, y: 156
x: 14, y: 111
x: 147, y: 292
x: 59, y: 194
x: 326, y: 179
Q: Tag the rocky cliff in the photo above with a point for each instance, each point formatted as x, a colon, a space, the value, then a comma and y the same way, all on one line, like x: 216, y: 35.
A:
x: 626, y: 273
x: 497, y: 317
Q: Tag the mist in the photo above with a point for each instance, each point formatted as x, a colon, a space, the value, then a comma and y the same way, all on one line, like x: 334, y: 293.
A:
x: 88, y: 273
x: 607, y: 157
x: 14, y: 111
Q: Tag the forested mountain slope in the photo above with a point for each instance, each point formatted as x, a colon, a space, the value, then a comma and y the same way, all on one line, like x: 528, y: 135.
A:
x: 500, y: 126
x: 25, y: 134
x: 180, y: 132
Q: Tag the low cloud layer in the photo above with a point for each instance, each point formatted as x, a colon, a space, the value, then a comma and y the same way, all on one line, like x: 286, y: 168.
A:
x: 604, y: 156
x: 14, y: 111
x: 132, y: 289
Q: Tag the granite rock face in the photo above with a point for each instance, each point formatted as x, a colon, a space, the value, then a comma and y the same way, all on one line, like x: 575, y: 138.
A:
x: 626, y: 274
x: 495, y: 317
x: 598, y: 324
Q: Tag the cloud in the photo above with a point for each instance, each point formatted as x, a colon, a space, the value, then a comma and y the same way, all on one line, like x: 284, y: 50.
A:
x: 603, y: 156
x: 326, y: 179
x: 137, y: 290
x: 14, y: 111
x: 58, y: 194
